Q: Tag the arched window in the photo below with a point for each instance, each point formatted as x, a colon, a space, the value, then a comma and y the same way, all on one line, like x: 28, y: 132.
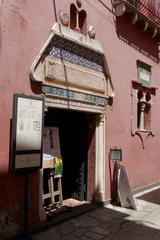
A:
x: 143, y: 111
x: 78, y: 19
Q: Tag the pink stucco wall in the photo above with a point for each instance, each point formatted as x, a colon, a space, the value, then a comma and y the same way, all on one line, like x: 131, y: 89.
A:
x: 123, y: 45
x: 24, y: 27
x: 122, y: 52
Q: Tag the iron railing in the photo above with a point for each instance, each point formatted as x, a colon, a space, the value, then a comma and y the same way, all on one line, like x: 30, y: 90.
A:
x: 148, y: 8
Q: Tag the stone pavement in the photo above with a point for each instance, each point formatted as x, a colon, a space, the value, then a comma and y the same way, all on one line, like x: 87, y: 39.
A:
x: 110, y: 223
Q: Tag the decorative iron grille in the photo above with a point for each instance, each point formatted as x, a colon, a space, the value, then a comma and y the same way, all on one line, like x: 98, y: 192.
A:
x: 74, y: 53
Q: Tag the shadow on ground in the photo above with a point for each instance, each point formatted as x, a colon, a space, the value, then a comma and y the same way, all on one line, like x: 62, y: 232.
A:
x: 90, y: 222
x: 153, y: 197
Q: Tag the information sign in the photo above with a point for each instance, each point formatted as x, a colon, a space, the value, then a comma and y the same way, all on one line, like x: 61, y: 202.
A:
x: 27, y: 132
x: 116, y: 154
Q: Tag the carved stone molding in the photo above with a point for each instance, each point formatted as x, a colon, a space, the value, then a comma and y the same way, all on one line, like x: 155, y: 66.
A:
x: 73, y: 69
x: 100, y: 119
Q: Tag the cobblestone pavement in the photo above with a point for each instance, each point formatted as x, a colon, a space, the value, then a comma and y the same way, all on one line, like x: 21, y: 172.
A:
x: 111, y: 223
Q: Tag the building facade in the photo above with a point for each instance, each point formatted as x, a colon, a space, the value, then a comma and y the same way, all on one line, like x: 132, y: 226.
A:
x: 96, y: 64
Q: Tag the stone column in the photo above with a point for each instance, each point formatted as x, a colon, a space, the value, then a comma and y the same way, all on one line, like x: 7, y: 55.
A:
x: 100, y: 158
x: 142, y: 108
x: 42, y: 213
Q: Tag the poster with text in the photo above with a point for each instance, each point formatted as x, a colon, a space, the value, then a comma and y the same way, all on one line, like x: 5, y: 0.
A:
x: 27, y: 132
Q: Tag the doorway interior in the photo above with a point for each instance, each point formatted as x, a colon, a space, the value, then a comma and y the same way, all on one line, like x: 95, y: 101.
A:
x: 73, y: 134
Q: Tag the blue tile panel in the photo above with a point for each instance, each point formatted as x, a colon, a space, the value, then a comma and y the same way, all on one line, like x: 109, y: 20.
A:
x: 74, y: 53
x: 73, y: 95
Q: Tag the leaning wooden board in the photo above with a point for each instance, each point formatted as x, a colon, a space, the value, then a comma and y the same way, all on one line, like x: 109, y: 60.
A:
x: 124, y: 190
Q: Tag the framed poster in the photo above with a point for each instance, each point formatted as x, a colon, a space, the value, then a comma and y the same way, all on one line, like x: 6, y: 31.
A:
x: 51, y: 141
x: 144, y: 73
x: 115, y: 154
x: 27, y: 133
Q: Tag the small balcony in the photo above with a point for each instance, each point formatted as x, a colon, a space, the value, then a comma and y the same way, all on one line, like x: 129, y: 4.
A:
x: 143, y: 13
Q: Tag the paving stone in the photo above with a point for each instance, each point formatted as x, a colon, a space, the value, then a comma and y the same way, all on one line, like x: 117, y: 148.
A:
x: 111, y: 223
x: 93, y: 236
x: 80, y: 231
x: 101, y: 230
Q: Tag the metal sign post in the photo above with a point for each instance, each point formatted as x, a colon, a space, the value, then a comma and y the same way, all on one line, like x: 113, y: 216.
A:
x: 115, y: 155
x: 25, y: 234
x: 122, y: 190
x: 27, y: 132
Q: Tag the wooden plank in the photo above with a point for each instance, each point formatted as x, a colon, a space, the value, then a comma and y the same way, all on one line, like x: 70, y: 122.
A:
x: 47, y: 195
x: 124, y: 189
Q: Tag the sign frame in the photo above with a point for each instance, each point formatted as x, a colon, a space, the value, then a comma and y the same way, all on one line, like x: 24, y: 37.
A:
x: 144, y: 73
x: 23, y: 153
x: 115, y: 154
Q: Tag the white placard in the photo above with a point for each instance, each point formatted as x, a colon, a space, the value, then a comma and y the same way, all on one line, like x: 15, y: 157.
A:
x: 27, y: 160
x: 144, y: 75
x: 29, y: 124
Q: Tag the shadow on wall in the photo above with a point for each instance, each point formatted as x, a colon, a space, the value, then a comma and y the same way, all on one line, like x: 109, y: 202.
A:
x: 36, y: 87
x: 12, y: 203
x: 131, y: 35
x: 113, y: 168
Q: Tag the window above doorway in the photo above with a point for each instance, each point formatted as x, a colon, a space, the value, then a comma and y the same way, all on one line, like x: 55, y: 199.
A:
x: 78, y: 19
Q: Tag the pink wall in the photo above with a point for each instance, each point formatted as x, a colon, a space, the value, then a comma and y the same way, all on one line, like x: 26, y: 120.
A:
x: 124, y: 44
x: 25, y: 26
x: 24, y: 29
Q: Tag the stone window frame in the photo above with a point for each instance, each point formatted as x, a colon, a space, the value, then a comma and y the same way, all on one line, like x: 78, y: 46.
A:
x: 78, y: 19
x: 142, y: 101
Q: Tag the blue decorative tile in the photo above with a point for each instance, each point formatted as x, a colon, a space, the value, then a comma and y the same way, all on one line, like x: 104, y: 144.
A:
x: 73, y: 95
x: 74, y: 53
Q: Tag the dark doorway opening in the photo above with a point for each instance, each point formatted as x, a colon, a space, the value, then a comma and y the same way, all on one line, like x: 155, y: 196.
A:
x: 73, y: 134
